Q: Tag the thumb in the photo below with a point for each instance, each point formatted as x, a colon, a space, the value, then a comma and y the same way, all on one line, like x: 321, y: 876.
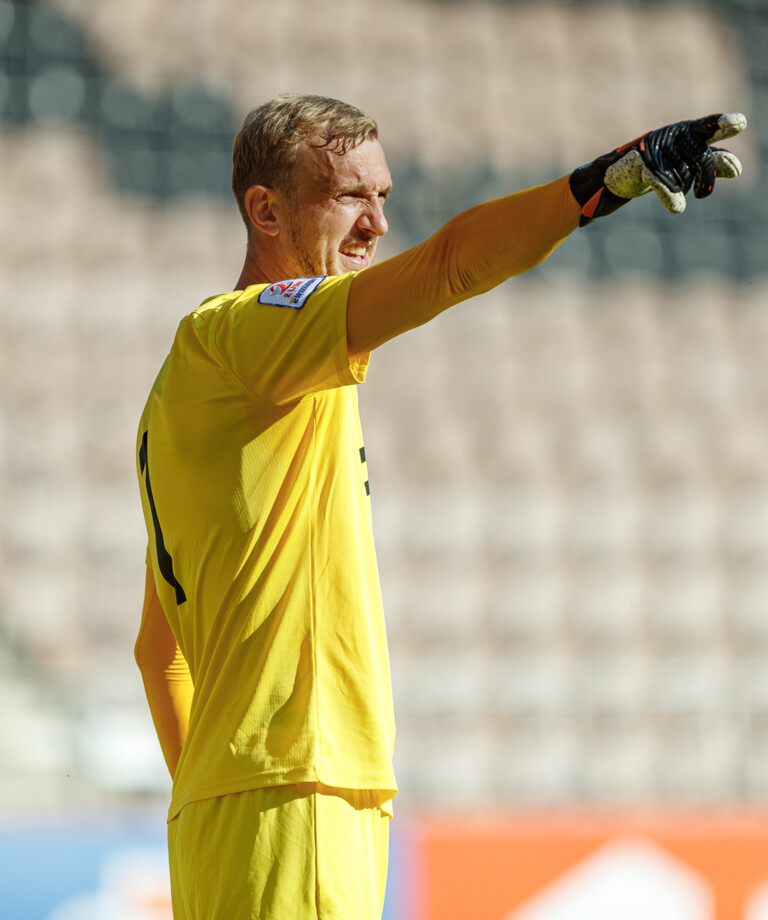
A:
x: 674, y: 202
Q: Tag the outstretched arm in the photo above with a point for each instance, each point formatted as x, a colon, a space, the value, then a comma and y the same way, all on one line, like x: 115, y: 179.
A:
x: 488, y: 244
x: 471, y: 254
x: 166, y: 676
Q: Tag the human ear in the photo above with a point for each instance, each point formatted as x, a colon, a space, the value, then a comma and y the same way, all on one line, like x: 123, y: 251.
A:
x: 259, y: 204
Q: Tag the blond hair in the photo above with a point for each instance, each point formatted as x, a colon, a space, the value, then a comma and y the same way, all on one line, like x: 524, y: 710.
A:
x: 265, y: 149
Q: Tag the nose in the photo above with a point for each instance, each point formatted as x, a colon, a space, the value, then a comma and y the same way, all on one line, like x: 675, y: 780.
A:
x: 372, y: 220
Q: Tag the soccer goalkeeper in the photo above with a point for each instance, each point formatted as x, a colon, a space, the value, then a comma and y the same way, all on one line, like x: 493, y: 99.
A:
x: 262, y: 643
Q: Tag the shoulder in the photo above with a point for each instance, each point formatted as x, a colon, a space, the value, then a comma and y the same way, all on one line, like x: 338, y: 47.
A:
x: 291, y: 293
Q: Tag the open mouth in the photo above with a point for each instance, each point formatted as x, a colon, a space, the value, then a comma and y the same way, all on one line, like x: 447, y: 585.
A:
x: 355, y: 252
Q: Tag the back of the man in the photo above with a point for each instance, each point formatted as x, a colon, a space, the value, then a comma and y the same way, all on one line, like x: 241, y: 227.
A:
x: 254, y: 487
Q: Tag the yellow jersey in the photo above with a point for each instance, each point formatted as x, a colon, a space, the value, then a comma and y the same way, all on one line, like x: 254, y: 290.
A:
x: 255, y: 495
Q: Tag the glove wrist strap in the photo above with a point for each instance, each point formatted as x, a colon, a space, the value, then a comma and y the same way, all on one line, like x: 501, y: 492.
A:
x: 588, y: 189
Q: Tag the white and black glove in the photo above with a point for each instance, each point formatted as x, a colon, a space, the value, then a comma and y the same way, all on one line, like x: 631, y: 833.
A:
x: 668, y: 161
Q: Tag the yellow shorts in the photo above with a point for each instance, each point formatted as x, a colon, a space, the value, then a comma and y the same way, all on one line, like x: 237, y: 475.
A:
x: 306, y: 852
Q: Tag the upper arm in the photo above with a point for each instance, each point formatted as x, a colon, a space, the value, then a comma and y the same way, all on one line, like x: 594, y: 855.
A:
x: 372, y: 307
x: 407, y: 290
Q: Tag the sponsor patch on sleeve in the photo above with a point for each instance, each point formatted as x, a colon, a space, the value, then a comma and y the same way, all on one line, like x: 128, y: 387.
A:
x: 293, y: 293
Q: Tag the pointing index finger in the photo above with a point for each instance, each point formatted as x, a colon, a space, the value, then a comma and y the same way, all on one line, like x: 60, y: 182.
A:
x: 715, y: 128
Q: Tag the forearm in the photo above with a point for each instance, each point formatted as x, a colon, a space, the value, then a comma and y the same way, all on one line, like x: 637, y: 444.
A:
x: 169, y: 692
x: 165, y: 672
x: 471, y: 254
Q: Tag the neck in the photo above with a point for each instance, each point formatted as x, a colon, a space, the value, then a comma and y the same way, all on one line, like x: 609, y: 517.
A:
x: 262, y: 266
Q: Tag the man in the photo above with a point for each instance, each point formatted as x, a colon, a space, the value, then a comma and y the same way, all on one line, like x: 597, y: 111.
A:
x: 262, y: 643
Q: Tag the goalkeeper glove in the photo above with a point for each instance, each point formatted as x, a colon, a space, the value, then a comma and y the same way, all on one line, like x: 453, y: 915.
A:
x: 668, y: 161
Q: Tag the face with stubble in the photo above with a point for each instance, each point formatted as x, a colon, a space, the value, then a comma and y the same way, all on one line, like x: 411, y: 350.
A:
x: 335, y: 210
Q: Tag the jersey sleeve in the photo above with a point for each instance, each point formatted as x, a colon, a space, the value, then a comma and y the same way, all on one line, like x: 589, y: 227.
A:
x: 287, y: 340
x: 469, y: 255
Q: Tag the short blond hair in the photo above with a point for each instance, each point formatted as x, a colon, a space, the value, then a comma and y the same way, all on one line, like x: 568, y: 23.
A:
x: 265, y: 149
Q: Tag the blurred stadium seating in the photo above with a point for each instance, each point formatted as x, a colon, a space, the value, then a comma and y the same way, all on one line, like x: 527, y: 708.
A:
x: 569, y: 475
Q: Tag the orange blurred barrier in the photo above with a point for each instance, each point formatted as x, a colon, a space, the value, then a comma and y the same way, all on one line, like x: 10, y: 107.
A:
x: 703, y: 866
